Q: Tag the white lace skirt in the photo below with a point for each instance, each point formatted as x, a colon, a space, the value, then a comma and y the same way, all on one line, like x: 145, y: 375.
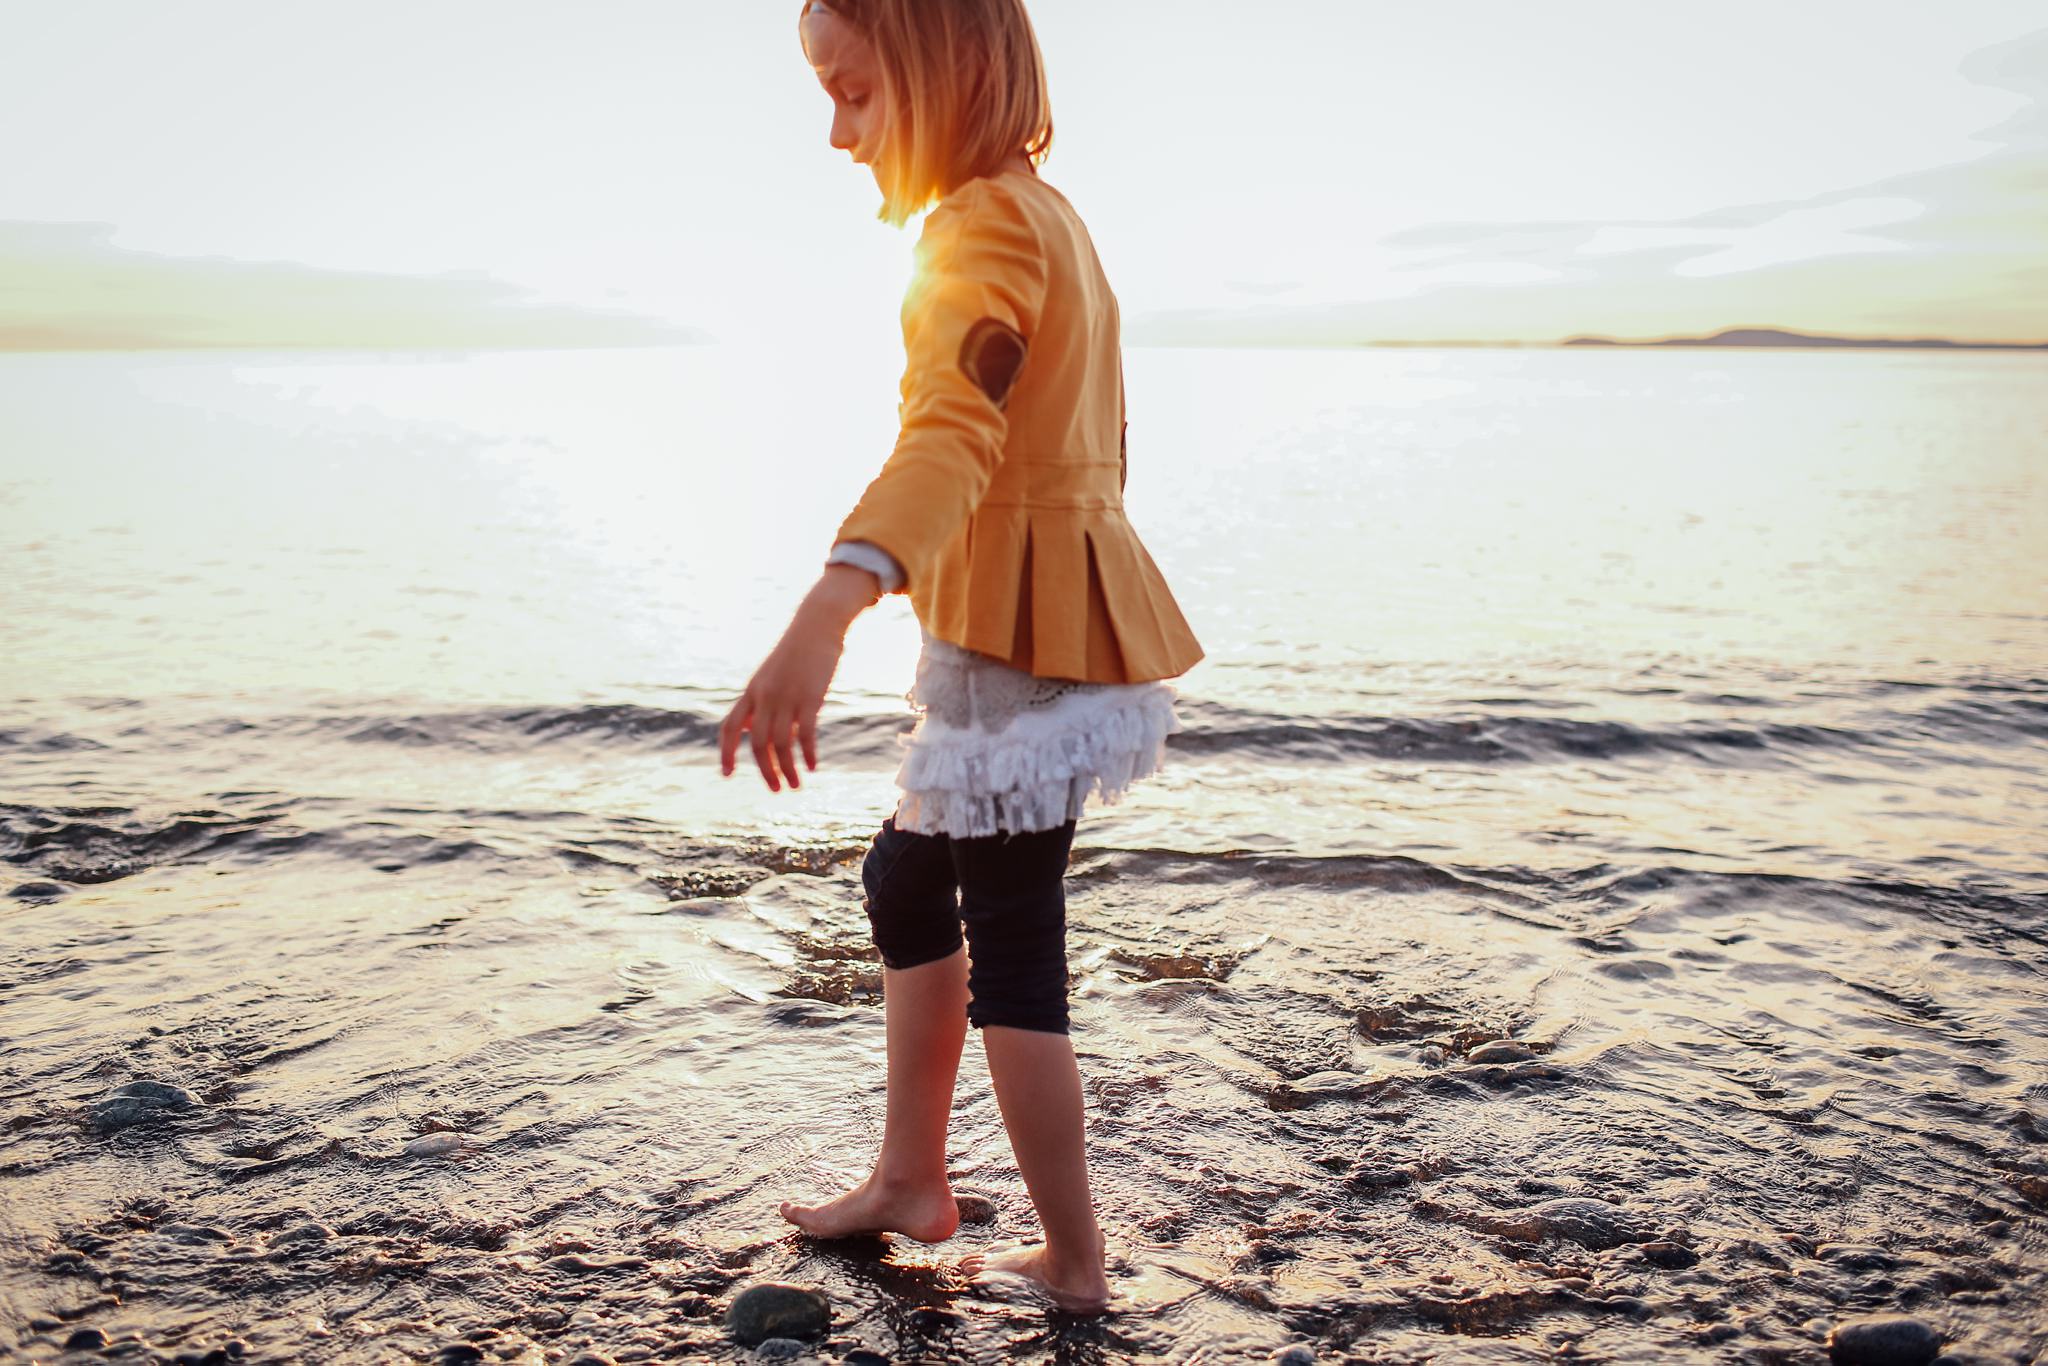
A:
x: 996, y: 749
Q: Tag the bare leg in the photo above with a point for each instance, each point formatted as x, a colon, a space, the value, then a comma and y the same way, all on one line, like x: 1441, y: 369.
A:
x: 1038, y: 1087
x: 925, y: 1008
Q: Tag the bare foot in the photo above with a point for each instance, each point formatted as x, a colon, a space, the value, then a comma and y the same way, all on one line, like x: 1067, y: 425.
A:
x: 928, y: 1214
x: 1077, y: 1290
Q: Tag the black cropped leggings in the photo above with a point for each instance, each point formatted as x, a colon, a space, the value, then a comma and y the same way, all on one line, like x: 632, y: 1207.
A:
x: 1009, y: 890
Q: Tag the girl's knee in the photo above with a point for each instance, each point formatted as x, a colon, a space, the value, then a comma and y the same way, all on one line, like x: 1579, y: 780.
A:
x: 912, y: 900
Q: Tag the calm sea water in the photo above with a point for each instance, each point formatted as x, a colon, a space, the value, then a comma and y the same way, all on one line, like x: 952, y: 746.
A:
x: 1677, y: 716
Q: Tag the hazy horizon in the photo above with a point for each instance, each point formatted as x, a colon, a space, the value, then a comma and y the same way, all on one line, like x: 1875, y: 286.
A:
x: 520, y: 178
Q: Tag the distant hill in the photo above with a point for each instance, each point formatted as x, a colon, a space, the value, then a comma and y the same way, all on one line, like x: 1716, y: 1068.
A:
x: 1771, y: 336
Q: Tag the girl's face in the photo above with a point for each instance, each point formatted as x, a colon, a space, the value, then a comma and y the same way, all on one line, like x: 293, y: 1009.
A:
x: 845, y: 62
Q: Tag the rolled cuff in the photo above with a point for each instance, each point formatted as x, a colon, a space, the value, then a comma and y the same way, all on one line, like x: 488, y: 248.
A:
x: 871, y: 557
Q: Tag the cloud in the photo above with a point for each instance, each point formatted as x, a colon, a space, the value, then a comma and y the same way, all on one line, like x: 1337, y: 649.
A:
x: 66, y: 286
x: 1958, y: 250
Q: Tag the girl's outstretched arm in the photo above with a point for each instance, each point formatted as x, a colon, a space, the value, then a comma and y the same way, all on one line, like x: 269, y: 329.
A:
x: 786, y: 692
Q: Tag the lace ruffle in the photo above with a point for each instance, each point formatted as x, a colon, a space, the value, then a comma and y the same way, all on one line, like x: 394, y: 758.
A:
x: 996, y: 749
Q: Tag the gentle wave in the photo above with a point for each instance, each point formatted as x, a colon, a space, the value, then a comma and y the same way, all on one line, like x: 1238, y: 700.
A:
x: 1977, y: 715
x: 58, y: 848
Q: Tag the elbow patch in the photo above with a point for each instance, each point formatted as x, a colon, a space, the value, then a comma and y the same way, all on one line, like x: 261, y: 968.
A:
x: 991, y: 354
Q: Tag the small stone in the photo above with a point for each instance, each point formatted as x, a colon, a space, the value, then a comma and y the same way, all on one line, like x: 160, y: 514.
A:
x: 434, y: 1145
x: 1432, y: 1054
x: 777, y: 1309
x: 779, y: 1349
x: 111, y: 1116
x: 1884, y: 1340
x: 1855, y: 1256
x: 311, y: 1231
x: 159, y: 1093
x: 1596, y: 1224
x: 862, y: 1356
x: 458, y: 1354
x: 1298, y: 1354
x: 582, y: 1265
x: 975, y: 1209
x: 1671, y: 1256
x: 85, y: 1340
x: 194, y: 1233
x: 1501, y: 1050
x: 1365, y: 1178
x: 39, y: 891
x: 140, y: 1102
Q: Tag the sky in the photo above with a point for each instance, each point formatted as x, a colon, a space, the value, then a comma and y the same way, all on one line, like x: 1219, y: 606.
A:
x: 517, y: 172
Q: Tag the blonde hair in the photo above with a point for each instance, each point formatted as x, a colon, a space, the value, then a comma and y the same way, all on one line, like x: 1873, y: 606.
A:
x: 965, y: 89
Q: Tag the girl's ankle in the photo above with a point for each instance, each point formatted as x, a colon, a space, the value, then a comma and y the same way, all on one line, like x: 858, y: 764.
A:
x: 1076, y: 1254
x: 908, y: 1185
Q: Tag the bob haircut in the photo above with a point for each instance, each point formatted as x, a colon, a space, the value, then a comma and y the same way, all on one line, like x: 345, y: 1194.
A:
x: 965, y: 88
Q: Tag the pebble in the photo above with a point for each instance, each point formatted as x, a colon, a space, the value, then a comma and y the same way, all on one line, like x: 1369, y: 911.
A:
x: 1501, y: 1050
x: 459, y: 1354
x: 1432, y: 1054
x: 85, y: 1340
x: 777, y: 1309
x: 975, y: 1209
x: 159, y: 1093
x: 576, y: 1261
x: 1671, y: 1256
x: 1591, y: 1223
x: 1855, y: 1256
x: 779, y: 1349
x: 312, y: 1231
x: 1376, y: 1178
x: 1883, y: 1340
x: 1296, y: 1355
x: 862, y: 1356
x: 434, y: 1145
x: 36, y: 891
x: 140, y: 1102
x: 194, y: 1233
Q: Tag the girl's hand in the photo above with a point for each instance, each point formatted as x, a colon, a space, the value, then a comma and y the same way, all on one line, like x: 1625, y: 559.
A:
x: 784, y: 696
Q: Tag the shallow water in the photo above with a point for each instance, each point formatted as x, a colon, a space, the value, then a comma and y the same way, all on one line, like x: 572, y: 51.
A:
x: 1677, y: 716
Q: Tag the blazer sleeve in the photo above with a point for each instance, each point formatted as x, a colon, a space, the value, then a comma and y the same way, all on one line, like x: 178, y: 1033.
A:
x: 971, y: 311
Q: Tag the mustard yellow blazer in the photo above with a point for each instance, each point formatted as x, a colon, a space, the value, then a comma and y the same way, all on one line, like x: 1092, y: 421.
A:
x: 1003, y: 499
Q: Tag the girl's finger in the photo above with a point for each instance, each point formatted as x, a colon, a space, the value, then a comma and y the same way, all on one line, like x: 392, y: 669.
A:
x: 807, y: 736
x: 785, y: 727
x: 763, y: 755
x: 729, y: 734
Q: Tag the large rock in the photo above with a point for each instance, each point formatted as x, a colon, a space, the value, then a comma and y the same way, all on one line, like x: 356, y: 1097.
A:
x: 1884, y: 1340
x: 1595, y: 1224
x: 777, y: 1309
x: 140, y: 1102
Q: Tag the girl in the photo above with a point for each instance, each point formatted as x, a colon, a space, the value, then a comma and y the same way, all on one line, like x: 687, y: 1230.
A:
x: 1048, y: 630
